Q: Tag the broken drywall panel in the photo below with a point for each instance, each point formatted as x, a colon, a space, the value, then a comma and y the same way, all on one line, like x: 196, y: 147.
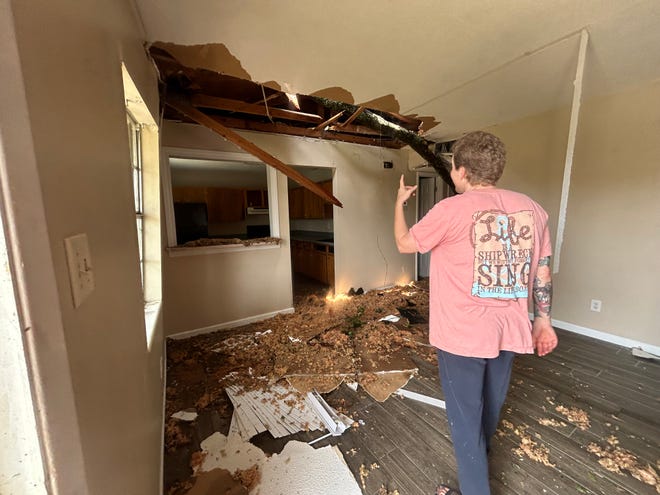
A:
x: 335, y: 93
x: 641, y: 353
x: 230, y: 453
x: 321, y: 383
x: 299, y: 468
x: 302, y: 469
x: 215, y: 482
x: 390, y: 318
x: 212, y: 56
x: 279, y: 410
x: 383, y: 384
x: 185, y: 415
x: 387, y: 103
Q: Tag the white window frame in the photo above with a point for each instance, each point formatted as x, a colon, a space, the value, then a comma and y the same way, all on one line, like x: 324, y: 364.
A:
x: 226, y: 156
x: 135, y: 147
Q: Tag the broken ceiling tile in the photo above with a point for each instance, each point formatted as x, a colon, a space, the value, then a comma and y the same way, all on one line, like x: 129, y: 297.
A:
x: 299, y: 468
x: 281, y: 411
x: 185, y: 415
x: 390, y: 318
x: 383, y: 384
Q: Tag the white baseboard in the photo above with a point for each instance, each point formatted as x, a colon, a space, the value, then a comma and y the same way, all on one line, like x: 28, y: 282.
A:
x: 607, y: 337
x: 229, y: 324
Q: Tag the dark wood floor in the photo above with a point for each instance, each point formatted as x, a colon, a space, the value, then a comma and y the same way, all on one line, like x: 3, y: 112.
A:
x: 410, y: 444
x: 404, y: 445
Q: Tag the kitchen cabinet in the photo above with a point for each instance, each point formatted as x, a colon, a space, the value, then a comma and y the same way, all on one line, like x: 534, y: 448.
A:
x: 296, y: 209
x: 256, y: 198
x: 222, y: 204
x: 225, y: 205
x: 314, y: 260
x: 304, y: 204
x: 189, y: 194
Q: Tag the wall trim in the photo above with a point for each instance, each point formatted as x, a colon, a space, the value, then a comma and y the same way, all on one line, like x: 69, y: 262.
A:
x: 175, y: 252
x: 604, y: 336
x: 230, y: 324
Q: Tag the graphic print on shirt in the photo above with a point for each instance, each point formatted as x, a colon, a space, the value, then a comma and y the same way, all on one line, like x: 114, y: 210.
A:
x: 503, y: 244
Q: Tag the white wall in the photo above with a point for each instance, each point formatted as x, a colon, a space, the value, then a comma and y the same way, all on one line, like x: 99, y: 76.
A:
x: 207, y: 290
x: 612, y: 237
x: 71, y: 54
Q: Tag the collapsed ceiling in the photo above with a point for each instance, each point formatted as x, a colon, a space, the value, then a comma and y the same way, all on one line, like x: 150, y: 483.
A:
x: 244, y: 104
x: 222, y: 102
x: 470, y: 64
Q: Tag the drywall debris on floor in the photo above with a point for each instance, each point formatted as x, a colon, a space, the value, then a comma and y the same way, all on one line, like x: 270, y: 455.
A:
x: 185, y: 415
x: 641, y: 353
x: 326, y: 342
x: 298, y: 469
x: 280, y: 410
x: 216, y: 482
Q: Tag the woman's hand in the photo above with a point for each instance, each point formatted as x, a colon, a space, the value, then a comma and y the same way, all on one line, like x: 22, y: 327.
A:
x: 404, y: 192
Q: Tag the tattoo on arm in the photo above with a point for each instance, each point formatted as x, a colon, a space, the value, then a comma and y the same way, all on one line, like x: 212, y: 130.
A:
x: 544, y: 261
x: 542, y: 289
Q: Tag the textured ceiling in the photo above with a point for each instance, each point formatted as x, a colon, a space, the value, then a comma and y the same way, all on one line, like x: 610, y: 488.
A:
x: 468, y: 63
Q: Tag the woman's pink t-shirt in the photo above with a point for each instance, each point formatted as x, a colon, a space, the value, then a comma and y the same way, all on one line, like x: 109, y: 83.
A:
x: 485, y: 246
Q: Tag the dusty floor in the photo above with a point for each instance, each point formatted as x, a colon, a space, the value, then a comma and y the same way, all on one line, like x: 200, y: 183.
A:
x: 328, y: 340
x: 581, y: 420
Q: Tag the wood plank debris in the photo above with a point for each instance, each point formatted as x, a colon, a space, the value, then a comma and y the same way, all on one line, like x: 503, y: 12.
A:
x: 179, y: 103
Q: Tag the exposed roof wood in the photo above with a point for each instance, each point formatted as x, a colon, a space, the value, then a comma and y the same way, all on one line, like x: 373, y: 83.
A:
x: 393, y: 130
x: 214, y: 102
x: 363, y: 135
x: 221, y: 102
x: 180, y: 104
x: 328, y: 122
x: 353, y: 117
x: 225, y: 96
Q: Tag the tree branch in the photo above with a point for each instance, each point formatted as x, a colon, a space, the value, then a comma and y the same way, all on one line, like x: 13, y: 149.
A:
x: 371, y: 119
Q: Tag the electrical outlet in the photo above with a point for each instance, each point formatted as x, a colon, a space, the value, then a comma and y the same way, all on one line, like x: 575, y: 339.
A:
x: 80, y: 267
x: 596, y: 305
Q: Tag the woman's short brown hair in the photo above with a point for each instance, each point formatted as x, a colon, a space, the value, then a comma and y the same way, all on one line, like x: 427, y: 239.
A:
x: 482, y: 155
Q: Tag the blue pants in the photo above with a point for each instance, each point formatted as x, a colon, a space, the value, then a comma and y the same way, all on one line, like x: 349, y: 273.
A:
x: 474, y: 390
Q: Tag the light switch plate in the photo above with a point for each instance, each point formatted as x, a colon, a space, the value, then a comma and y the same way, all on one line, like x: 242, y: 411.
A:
x: 80, y: 267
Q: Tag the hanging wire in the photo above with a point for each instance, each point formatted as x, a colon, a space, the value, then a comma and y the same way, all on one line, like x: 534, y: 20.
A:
x: 263, y: 92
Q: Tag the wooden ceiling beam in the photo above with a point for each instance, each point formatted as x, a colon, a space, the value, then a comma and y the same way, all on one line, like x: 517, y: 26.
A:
x: 332, y: 133
x: 268, y: 98
x: 353, y: 117
x: 216, y: 103
x: 184, y: 107
x: 328, y: 122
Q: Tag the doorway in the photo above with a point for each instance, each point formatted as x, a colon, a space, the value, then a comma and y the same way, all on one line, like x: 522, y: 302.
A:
x: 426, y: 201
x: 431, y: 189
x: 311, y: 230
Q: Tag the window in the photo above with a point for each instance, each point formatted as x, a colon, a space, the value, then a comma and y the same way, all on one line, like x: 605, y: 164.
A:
x: 219, y: 200
x: 144, y: 168
x: 135, y: 141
